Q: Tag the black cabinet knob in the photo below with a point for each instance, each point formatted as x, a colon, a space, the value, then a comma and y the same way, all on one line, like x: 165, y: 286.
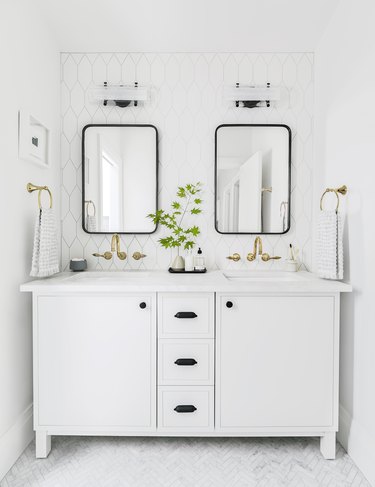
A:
x: 142, y: 305
x: 229, y: 304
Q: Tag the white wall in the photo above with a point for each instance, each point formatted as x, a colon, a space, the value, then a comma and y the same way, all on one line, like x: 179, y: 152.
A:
x: 186, y: 106
x: 30, y: 79
x: 345, y: 154
x: 188, y: 26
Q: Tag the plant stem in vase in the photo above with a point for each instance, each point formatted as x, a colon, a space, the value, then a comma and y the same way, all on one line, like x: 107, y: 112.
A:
x: 180, y: 236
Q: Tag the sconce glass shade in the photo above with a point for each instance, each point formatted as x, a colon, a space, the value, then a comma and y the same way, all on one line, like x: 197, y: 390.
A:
x: 251, y: 93
x: 118, y: 92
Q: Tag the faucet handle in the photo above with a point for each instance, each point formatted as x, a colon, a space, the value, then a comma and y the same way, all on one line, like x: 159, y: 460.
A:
x: 235, y: 257
x: 106, y: 255
x: 138, y: 255
x: 266, y: 257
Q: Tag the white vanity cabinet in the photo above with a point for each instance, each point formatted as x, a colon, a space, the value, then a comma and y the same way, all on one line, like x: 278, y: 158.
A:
x: 282, y: 352
x: 165, y: 357
x: 186, y: 331
x: 94, y: 365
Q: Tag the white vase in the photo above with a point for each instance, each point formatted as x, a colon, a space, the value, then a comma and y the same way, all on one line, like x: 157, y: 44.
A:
x: 178, y: 263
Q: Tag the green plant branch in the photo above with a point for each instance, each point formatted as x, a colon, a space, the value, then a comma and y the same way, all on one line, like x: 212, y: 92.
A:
x: 180, y: 236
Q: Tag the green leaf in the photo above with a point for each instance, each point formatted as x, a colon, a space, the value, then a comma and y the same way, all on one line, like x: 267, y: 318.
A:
x: 195, y: 211
x: 181, y: 193
x: 197, y: 201
x: 176, y: 205
x: 195, y: 231
x: 189, y: 245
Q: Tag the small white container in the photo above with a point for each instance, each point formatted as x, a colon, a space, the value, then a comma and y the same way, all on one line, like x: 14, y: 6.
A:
x: 291, y: 265
x: 189, y: 261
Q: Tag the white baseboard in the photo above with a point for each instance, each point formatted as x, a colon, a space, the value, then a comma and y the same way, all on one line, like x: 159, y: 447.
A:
x: 15, y: 440
x: 358, y: 443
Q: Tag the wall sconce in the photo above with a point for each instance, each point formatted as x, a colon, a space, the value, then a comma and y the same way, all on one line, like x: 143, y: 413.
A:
x: 120, y: 95
x: 252, y: 96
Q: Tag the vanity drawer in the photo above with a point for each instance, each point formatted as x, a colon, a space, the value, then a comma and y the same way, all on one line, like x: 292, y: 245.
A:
x: 186, y: 408
x: 186, y: 315
x: 189, y: 362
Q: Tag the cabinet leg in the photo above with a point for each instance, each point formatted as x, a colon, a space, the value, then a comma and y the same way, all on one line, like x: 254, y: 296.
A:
x: 328, y: 446
x: 42, y: 444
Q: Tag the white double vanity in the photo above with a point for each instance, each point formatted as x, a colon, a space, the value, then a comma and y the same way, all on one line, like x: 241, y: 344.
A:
x: 154, y: 354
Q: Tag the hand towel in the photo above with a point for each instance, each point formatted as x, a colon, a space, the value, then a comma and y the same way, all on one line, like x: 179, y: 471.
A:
x: 91, y: 223
x: 45, y: 257
x: 329, y: 248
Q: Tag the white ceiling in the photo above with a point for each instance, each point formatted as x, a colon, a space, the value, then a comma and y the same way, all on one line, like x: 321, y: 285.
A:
x: 187, y: 25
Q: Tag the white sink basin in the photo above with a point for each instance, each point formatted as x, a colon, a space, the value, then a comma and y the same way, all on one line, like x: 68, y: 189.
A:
x: 110, y: 276
x: 251, y: 276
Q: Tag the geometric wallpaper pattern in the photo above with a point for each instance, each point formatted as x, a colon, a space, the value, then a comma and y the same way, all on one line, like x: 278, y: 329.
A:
x: 186, y: 106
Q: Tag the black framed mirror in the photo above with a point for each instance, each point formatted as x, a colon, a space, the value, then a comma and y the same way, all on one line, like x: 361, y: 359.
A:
x: 119, y: 178
x: 252, y: 179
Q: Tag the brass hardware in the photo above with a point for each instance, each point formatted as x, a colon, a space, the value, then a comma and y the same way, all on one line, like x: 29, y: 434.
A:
x: 342, y: 190
x: 106, y: 255
x: 266, y: 190
x: 115, y: 247
x: 258, y: 250
x: 235, y: 257
x: 32, y: 187
x: 138, y: 256
x: 266, y: 257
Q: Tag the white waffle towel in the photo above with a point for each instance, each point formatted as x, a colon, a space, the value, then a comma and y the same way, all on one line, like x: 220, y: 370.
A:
x: 329, y: 248
x: 45, y: 257
x: 91, y: 223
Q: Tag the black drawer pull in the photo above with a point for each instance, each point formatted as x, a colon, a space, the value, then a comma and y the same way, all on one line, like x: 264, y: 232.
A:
x: 186, y: 361
x: 185, y: 408
x: 229, y: 304
x: 143, y: 305
x: 185, y: 314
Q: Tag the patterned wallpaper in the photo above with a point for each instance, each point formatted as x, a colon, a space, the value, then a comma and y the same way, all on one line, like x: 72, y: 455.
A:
x: 186, y: 106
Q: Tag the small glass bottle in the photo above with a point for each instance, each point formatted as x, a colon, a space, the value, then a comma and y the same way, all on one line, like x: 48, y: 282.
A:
x: 189, y: 261
x: 199, y: 262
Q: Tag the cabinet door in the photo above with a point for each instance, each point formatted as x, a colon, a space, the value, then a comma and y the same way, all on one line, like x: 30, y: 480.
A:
x: 275, y: 362
x: 95, y: 362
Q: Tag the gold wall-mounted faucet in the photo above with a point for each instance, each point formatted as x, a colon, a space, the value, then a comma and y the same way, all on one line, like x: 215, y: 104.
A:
x: 258, y: 250
x: 115, y: 247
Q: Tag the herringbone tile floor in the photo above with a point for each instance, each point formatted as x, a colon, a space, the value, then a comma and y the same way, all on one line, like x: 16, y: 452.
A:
x: 181, y: 462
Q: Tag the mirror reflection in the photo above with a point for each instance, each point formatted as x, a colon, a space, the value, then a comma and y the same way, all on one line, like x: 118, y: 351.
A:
x: 120, y: 178
x: 252, y: 179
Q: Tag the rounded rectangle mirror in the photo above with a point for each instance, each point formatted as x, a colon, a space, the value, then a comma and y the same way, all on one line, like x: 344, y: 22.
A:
x: 252, y: 179
x: 120, y: 178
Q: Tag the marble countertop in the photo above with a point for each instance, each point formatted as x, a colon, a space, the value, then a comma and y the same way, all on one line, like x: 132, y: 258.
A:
x: 213, y: 281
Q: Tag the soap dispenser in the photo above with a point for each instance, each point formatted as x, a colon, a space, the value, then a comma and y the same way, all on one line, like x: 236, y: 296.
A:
x: 199, y: 262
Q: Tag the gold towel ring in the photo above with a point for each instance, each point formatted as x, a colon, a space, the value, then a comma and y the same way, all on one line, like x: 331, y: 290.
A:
x: 32, y: 187
x: 342, y: 190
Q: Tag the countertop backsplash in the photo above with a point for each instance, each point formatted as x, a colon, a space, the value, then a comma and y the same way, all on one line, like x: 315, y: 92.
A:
x: 186, y: 106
